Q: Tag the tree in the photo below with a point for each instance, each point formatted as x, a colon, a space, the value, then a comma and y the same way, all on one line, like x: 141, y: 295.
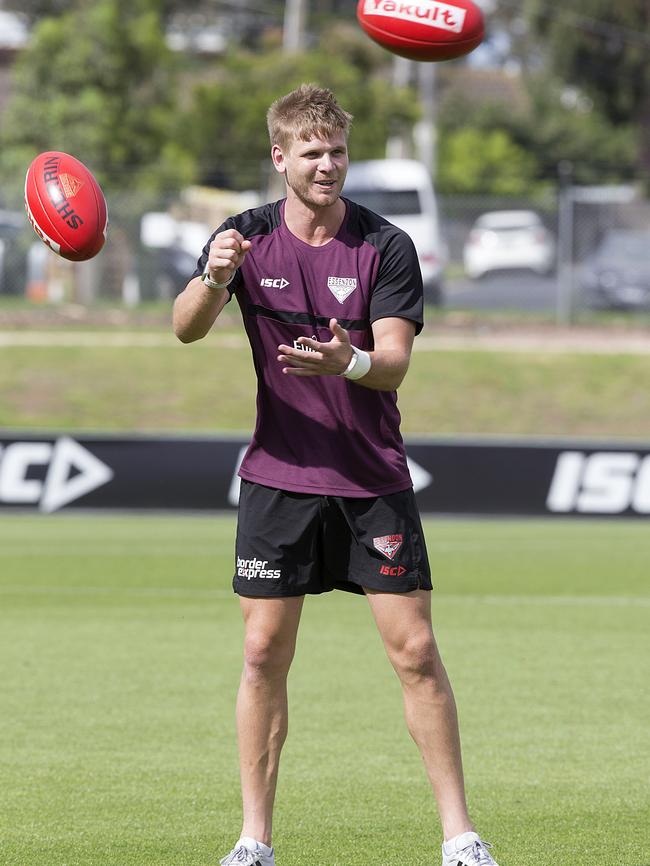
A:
x: 472, y: 161
x: 37, y: 9
x: 562, y: 125
x: 542, y: 117
x: 228, y: 131
x: 602, y: 48
x: 99, y: 82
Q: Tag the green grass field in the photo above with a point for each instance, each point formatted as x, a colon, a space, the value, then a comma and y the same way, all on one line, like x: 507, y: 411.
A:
x: 120, y: 643
x: 211, y: 386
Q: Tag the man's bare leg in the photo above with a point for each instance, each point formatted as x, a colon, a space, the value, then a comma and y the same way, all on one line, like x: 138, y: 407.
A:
x: 404, y: 622
x: 271, y: 626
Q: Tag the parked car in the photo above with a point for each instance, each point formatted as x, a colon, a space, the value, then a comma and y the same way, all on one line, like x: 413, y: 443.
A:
x: 508, y: 240
x: 401, y: 191
x: 171, y: 248
x: 617, y: 274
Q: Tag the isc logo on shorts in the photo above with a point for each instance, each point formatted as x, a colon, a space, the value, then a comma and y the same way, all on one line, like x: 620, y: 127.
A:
x: 255, y: 569
x: 392, y: 570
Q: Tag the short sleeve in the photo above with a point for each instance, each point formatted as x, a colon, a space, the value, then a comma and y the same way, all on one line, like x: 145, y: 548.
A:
x: 398, y: 289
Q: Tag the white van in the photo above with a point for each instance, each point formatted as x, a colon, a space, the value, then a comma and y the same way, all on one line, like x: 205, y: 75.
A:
x: 401, y: 191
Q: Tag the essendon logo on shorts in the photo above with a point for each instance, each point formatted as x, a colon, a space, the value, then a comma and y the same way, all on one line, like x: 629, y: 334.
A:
x: 392, y: 570
x: 443, y: 16
x: 388, y: 544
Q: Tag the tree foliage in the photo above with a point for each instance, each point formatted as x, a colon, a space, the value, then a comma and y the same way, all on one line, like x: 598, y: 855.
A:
x: 228, y: 131
x: 37, y: 9
x: 99, y: 82
x: 542, y: 118
x: 602, y: 48
x: 489, y: 162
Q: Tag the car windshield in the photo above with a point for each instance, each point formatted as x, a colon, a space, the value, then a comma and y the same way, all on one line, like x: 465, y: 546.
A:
x: 387, y: 201
x: 518, y: 228
x: 627, y: 246
x: 508, y: 221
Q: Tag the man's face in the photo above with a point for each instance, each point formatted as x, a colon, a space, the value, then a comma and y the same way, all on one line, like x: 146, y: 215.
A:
x: 314, y: 170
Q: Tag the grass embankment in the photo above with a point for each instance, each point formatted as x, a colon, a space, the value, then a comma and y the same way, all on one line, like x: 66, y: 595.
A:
x: 121, y: 647
x: 209, y: 386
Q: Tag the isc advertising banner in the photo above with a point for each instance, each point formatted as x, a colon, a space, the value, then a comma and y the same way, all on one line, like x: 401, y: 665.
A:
x: 50, y: 473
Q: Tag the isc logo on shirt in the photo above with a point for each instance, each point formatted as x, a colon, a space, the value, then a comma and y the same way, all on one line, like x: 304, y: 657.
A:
x: 274, y: 282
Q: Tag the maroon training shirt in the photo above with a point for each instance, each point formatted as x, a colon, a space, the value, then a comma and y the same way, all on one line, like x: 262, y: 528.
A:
x: 323, y: 434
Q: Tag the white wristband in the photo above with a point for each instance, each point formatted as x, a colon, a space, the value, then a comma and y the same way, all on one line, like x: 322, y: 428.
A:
x: 213, y: 284
x: 359, y: 365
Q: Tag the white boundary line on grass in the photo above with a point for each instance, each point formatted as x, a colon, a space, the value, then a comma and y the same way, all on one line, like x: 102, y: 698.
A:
x: 616, y: 344
x: 102, y: 340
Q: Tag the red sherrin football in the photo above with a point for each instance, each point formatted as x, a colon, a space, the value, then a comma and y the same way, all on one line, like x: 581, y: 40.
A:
x: 66, y: 206
x: 425, y: 29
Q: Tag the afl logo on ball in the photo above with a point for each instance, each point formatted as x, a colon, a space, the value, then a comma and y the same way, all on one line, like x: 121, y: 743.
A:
x: 388, y: 544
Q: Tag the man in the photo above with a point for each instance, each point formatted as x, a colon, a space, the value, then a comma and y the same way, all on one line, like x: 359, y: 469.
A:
x: 331, y: 297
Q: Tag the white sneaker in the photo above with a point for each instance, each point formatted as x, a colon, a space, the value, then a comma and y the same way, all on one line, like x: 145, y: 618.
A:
x: 247, y: 852
x: 468, y: 849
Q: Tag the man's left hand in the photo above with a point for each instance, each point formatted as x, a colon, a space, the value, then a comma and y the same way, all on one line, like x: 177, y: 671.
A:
x: 324, y: 359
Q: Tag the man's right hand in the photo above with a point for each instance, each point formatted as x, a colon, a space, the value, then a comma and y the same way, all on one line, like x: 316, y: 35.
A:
x: 227, y: 252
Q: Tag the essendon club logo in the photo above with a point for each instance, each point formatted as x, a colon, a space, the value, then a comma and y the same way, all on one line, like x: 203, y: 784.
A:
x: 443, y: 16
x: 71, y: 184
x: 388, y: 544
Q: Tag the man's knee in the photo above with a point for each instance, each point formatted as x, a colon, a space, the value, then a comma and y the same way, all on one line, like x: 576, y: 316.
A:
x: 266, y: 657
x: 416, y: 658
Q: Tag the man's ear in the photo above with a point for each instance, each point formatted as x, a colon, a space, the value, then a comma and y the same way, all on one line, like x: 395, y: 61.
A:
x: 278, y: 159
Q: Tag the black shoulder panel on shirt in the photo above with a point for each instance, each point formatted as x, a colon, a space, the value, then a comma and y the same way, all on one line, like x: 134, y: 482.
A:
x: 398, y: 289
x: 251, y: 223
x: 259, y: 221
x: 365, y: 222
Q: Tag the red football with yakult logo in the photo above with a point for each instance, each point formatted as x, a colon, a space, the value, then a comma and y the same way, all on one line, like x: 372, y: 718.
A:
x: 425, y: 29
x: 66, y: 206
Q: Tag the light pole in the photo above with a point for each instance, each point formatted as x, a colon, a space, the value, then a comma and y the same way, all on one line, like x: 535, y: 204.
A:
x: 295, y: 17
x: 425, y: 130
x: 564, y: 308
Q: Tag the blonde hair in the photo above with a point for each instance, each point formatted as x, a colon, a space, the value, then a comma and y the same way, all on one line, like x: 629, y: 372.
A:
x: 307, y: 111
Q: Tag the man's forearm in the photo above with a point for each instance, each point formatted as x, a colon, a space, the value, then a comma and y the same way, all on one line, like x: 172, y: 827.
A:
x: 196, y: 309
x: 387, y: 371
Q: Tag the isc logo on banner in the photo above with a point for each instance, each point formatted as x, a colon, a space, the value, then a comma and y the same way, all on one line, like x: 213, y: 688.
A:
x: 71, y: 472
x: 607, y: 482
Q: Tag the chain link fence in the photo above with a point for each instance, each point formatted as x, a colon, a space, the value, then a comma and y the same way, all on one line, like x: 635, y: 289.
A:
x: 573, y: 251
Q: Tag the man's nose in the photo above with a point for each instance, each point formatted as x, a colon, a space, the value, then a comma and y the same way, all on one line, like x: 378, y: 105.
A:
x: 325, y: 163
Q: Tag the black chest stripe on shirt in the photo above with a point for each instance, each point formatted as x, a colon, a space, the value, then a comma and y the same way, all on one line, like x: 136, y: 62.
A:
x: 305, y: 318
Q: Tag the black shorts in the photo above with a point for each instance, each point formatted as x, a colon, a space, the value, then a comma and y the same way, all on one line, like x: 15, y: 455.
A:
x: 291, y: 544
